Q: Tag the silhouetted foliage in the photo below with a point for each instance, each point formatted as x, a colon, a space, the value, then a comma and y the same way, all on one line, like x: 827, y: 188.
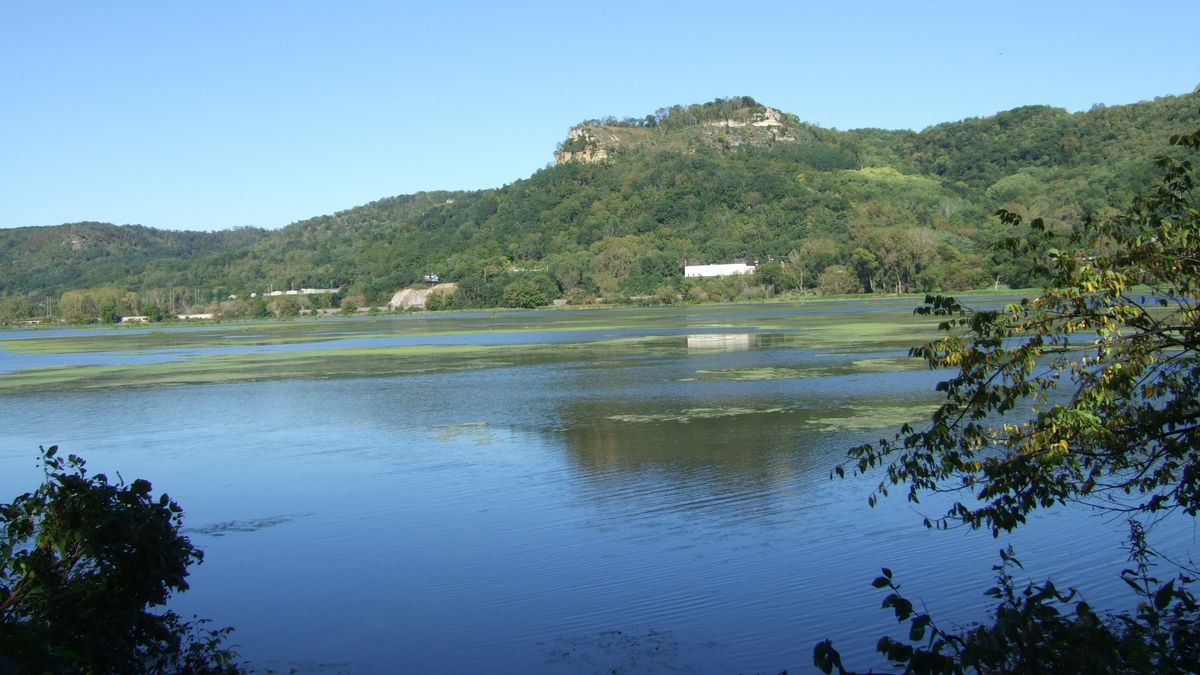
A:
x: 85, y: 568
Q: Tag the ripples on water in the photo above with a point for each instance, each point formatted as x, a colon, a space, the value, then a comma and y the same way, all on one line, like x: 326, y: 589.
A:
x: 580, y: 516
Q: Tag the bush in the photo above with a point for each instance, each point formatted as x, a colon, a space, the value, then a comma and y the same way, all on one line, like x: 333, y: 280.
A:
x: 436, y: 301
x: 525, y: 292
x: 579, y: 296
x: 83, y: 564
x: 286, y: 307
x: 257, y: 308
x: 667, y: 295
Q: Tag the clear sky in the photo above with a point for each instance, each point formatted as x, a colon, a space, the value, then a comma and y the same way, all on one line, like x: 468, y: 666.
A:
x: 222, y: 113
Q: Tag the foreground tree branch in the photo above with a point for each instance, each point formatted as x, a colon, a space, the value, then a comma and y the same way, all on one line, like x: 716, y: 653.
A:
x: 85, y: 568
x: 1087, y: 393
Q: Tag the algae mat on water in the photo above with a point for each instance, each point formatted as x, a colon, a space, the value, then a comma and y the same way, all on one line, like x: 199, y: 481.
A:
x: 314, y: 364
x: 322, y: 363
x: 889, y: 364
x: 334, y: 349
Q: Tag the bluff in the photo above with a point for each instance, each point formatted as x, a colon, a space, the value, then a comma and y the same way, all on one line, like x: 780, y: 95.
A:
x: 629, y: 201
x: 728, y: 124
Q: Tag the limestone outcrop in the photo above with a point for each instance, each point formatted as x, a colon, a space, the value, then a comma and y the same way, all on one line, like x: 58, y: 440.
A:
x: 587, y: 144
x: 414, y: 298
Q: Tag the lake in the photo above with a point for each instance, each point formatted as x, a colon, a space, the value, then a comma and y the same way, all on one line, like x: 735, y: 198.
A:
x: 617, y: 490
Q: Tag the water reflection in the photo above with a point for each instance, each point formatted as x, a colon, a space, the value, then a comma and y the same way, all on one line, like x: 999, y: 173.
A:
x: 546, y: 508
x: 721, y: 341
x: 723, y: 466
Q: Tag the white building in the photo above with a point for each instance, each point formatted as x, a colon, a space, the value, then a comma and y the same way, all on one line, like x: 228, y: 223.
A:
x: 302, y: 291
x: 722, y: 270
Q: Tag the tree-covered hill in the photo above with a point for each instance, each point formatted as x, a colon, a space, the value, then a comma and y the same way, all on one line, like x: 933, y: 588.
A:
x: 630, y: 201
x: 77, y: 255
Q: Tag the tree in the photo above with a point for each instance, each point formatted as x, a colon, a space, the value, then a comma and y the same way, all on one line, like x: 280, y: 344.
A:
x: 837, y: 280
x: 771, y: 275
x: 613, y: 260
x: 1105, y: 362
x: 866, y: 265
x: 286, y: 307
x: 568, y: 270
x: 257, y: 308
x: 77, y: 307
x: 15, y: 308
x: 525, y: 292
x: 84, y: 563
x: 152, y: 311
x: 130, y: 304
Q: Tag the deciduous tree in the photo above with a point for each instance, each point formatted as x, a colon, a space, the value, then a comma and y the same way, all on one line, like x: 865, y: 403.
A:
x: 1087, y: 394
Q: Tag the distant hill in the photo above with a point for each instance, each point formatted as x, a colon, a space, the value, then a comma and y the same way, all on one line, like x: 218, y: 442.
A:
x: 630, y: 201
x: 77, y: 255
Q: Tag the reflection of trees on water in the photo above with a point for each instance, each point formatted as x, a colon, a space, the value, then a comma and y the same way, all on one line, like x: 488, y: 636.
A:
x: 726, y: 461
x: 726, y: 424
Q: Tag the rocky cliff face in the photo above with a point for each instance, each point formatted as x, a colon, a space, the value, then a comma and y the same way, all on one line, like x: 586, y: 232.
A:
x: 586, y: 144
x: 414, y: 298
x: 767, y: 117
x: 593, y: 142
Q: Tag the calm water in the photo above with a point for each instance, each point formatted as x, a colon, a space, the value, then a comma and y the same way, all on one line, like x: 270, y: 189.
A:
x: 648, y: 509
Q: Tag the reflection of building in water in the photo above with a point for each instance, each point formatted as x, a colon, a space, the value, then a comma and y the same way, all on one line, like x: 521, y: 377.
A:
x: 722, y: 341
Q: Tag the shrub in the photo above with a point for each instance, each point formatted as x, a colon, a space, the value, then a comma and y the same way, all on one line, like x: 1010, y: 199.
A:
x: 84, y: 563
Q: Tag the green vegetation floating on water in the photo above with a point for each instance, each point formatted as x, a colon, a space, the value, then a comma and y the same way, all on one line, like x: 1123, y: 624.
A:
x: 811, y: 320
x: 876, y: 365
x: 851, y: 418
x: 862, y: 418
x: 689, y: 414
x: 476, y: 432
x: 322, y: 351
x: 311, y: 364
x: 315, y: 364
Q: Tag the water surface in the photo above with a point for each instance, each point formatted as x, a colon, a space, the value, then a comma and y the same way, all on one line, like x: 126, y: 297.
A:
x: 638, y: 491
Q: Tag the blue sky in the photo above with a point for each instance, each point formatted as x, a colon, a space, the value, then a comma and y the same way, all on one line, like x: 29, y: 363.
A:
x: 217, y: 114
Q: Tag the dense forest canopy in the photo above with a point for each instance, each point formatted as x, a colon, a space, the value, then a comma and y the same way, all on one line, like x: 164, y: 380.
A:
x: 823, y: 210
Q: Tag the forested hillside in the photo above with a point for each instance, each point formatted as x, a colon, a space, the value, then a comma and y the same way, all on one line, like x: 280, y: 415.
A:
x: 630, y: 201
